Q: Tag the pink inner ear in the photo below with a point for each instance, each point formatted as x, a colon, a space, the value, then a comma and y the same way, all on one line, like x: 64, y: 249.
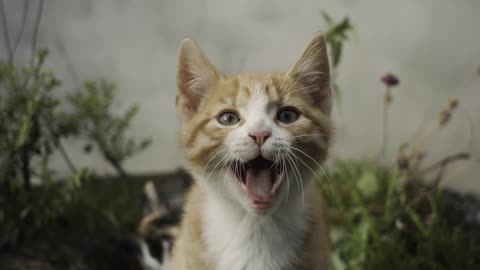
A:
x: 191, y: 97
x: 317, y: 85
x: 312, y: 71
x: 192, y: 93
x: 189, y: 105
x: 187, y: 101
x: 325, y: 101
x: 194, y: 76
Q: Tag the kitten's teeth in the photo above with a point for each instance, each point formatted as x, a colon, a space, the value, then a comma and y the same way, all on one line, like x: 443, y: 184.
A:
x: 278, y: 182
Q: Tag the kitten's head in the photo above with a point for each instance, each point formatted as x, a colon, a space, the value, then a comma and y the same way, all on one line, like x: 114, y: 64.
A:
x: 255, y: 139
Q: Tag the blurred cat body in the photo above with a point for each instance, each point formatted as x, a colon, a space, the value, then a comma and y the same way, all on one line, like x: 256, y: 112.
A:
x: 253, y: 142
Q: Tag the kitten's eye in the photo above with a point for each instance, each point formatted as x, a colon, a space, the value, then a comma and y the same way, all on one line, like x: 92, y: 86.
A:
x: 228, y: 118
x: 288, y: 115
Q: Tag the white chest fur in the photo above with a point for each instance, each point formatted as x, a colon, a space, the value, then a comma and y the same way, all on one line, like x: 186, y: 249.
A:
x: 237, y: 240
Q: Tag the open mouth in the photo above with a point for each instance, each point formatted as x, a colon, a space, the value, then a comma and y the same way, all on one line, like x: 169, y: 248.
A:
x: 260, y: 179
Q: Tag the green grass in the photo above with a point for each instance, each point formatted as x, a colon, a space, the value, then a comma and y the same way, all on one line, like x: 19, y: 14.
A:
x: 375, y: 225
x: 99, y: 205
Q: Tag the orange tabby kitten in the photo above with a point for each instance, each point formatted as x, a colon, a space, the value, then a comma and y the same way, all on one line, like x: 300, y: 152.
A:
x: 251, y: 140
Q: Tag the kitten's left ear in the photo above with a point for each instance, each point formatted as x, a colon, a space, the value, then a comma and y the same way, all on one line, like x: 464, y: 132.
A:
x: 195, y: 75
x: 312, y: 71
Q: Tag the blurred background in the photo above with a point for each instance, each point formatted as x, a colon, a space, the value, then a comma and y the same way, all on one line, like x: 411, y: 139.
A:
x: 87, y: 91
x: 430, y: 45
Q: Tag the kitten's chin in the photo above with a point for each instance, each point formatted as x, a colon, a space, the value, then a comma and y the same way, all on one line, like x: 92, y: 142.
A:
x: 259, y: 181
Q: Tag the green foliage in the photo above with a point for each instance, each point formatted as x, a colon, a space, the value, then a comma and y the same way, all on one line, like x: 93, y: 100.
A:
x: 388, y: 217
x: 27, y: 213
x: 92, y: 120
x: 374, y: 226
x: 26, y: 104
x: 32, y: 125
x: 28, y: 111
x: 336, y: 35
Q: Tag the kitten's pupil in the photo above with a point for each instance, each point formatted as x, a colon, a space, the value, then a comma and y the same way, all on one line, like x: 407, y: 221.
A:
x: 288, y: 115
x: 228, y: 118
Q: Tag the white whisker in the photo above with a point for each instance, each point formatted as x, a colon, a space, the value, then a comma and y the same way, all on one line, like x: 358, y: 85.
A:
x: 288, y: 180
x: 319, y: 166
x: 298, y: 176
x: 212, y: 158
x: 306, y: 135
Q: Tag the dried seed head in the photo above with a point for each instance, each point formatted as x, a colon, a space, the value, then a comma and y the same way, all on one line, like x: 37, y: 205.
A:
x: 403, y: 163
x: 87, y: 148
x: 453, y: 103
x: 390, y: 80
x: 444, y: 116
x: 416, y: 157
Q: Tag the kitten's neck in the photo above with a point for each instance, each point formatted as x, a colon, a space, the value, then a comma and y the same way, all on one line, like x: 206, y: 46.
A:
x: 238, y: 239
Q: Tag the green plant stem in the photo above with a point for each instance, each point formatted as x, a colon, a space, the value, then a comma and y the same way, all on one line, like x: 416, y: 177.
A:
x: 417, y: 221
x: 390, y: 195
x: 116, y: 164
x: 26, y: 151
x: 58, y: 144
x: 386, y: 102
x: 25, y: 168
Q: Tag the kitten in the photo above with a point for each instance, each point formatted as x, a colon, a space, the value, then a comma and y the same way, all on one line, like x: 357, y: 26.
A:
x: 157, y: 230
x: 251, y: 141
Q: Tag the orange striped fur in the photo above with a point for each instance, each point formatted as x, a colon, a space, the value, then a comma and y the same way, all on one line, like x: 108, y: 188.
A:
x: 220, y: 229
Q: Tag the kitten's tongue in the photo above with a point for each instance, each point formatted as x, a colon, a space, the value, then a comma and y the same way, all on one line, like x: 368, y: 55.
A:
x: 259, y: 186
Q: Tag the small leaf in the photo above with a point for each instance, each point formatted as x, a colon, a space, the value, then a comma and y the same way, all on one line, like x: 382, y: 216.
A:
x: 402, y: 148
x: 327, y: 18
x: 336, y: 53
x: 25, y: 124
x: 368, y: 183
x: 417, y: 221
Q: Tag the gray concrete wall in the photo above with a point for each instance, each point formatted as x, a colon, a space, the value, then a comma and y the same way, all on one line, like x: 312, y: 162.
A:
x: 432, y: 45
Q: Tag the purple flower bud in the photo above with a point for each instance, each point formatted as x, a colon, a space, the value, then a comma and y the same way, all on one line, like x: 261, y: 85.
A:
x: 390, y: 80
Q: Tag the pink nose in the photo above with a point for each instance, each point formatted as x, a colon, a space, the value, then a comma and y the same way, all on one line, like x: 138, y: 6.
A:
x: 259, y: 136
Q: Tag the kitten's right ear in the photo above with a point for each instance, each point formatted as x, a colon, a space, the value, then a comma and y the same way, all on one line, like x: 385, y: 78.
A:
x: 195, y: 74
x: 312, y: 70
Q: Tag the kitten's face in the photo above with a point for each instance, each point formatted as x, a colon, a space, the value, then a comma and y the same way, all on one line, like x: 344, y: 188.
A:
x: 255, y: 139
